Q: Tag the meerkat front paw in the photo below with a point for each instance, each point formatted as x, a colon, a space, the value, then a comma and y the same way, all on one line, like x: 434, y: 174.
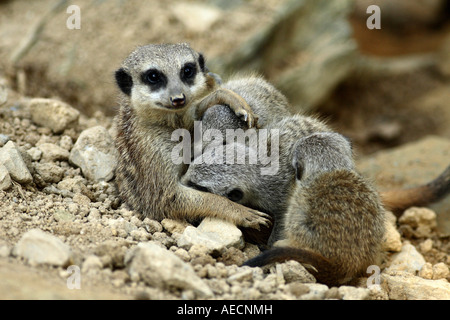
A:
x: 255, y: 219
x: 246, y: 114
x: 231, y: 99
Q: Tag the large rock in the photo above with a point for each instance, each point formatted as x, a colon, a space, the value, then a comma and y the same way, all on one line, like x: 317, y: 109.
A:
x: 95, y: 153
x: 405, y: 286
x: 214, y: 234
x: 161, y: 268
x: 10, y: 157
x: 39, y: 247
x: 53, y: 114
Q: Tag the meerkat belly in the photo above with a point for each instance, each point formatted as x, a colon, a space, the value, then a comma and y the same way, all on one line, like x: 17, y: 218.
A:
x: 143, y: 172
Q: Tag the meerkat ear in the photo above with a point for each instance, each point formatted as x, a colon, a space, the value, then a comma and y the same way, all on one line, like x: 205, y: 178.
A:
x: 297, y: 161
x: 124, y: 81
x: 298, y: 167
x: 201, y: 62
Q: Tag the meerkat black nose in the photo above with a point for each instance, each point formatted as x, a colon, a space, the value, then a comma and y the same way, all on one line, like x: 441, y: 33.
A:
x: 178, y: 100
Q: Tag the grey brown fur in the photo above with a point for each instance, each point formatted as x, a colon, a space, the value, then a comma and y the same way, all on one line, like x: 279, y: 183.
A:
x: 267, y: 193
x: 163, y: 88
x: 335, y: 220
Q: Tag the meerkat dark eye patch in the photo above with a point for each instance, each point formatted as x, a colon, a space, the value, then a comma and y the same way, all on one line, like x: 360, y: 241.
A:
x: 155, y: 78
x: 235, y: 195
x: 188, y: 72
x: 124, y: 81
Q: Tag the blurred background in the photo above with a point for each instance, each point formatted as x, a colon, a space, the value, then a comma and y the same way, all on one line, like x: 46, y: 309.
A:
x: 383, y: 88
x: 380, y: 87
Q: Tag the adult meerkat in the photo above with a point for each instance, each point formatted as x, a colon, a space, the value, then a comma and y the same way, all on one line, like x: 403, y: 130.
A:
x: 166, y: 87
x: 335, y: 219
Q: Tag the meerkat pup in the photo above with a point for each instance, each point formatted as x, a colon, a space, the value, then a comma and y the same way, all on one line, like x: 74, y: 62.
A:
x: 165, y: 87
x: 261, y: 186
x: 335, y: 220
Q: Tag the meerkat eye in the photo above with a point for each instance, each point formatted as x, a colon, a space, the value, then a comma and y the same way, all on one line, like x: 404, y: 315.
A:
x: 198, y: 187
x: 235, y: 195
x: 188, y: 71
x: 153, y: 76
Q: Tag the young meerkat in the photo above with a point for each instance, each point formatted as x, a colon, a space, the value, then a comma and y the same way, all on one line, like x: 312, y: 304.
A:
x: 335, y: 220
x: 248, y: 184
x: 165, y: 87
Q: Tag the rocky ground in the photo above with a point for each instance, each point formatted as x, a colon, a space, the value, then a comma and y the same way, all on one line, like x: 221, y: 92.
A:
x: 62, y: 226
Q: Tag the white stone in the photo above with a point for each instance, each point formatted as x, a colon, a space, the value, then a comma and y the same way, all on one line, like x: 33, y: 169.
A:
x: 405, y: 286
x: 316, y: 291
x: 10, y: 157
x: 92, y: 264
x: 423, y: 220
x: 353, y: 293
x: 214, y: 234
x: 53, y: 114
x: 427, y: 271
x: 39, y: 247
x: 293, y: 271
x: 49, y: 172
x: 95, y: 153
x: 35, y: 153
x: 408, y: 259
x: 392, y: 239
x: 440, y: 271
x: 52, y: 152
x: 5, y: 178
x: 161, y: 268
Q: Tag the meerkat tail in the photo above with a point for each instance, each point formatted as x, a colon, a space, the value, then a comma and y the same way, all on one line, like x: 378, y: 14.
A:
x: 320, y: 267
x: 399, y: 200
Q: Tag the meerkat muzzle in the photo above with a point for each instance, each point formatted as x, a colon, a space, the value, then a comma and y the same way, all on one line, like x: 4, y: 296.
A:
x: 178, y: 100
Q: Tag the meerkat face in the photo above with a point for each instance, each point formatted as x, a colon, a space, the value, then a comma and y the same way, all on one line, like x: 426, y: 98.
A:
x: 163, y: 76
x: 213, y: 174
x: 320, y: 152
x: 215, y: 178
